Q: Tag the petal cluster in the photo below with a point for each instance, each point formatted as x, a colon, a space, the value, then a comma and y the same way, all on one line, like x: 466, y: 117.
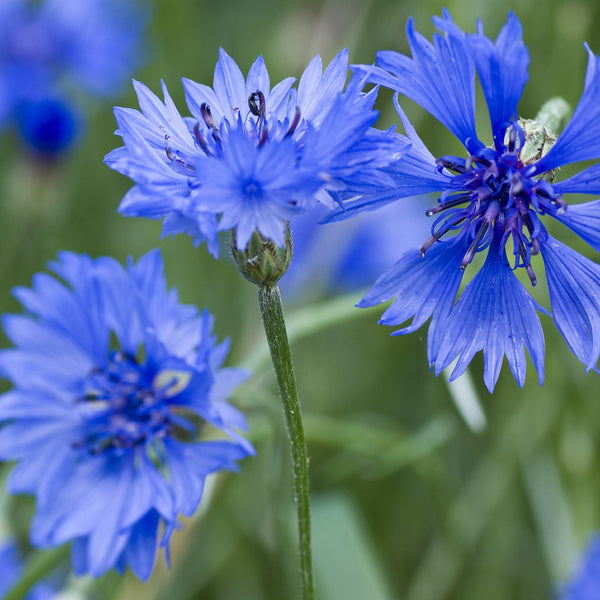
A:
x: 250, y: 156
x: 496, y: 200
x: 118, y: 393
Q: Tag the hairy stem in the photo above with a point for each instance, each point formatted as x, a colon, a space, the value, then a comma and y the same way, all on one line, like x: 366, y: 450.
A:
x: 269, y: 301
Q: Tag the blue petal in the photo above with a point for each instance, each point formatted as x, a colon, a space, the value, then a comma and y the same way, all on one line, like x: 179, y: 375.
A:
x: 230, y: 87
x: 584, y: 220
x: 439, y: 77
x: 258, y: 78
x: 496, y: 314
x: 207, y: 457
x: 424, y: 287
x: 580, y: 139
x: 502, y: 68
x: 317, y: 92
x: 574, y: 281
x: 119, y: 306
x: 140, y: 552
x: 19, y: 438
x: 413, y: 173
x: 584, y: 182
x: 197, y: 94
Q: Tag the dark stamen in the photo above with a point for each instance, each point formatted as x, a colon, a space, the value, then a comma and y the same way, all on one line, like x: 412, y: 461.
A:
x: 207, y: 116
x: 473, y: 247
x: 512, y: 139
x: 173, y: 158
x: 461, y: 199
x: 430, y: 242
x: 295, y: 122
x: 562, y: 205
x: 478, y: 160
x: 445, y: 163
x: 531, y: 274
x: 168, y: 150
x: 200, y: 139
x: 256, y: 103
x: 263, y: 135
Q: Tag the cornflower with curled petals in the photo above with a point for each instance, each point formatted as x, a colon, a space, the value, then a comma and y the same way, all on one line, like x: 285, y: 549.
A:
x: 117, y: 389
x: 251, y: 156
x: 495, y: 201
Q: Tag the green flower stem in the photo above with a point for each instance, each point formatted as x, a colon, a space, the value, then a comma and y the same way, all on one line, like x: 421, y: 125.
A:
x: 269, y: 301
x: 303, y: 322
x: 40, y: 564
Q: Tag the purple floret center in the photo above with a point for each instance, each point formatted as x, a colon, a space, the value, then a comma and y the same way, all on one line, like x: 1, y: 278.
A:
x: 494, y: 197
x: 122, y: 408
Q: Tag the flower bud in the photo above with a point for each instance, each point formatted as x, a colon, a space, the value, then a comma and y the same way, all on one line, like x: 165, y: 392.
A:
x: 263, y: 262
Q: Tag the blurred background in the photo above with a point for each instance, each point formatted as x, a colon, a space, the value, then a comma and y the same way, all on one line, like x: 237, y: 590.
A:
x: 416, y: 497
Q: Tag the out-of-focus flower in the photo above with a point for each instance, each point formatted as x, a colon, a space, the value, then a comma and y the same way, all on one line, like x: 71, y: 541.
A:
x: 55, y: 49
x: 253, y: 156
x: 585, y: 581
x: 348, y: 256
x: 10, y: 571
x: 47, y: 127
x: 117, y: 390
x: 495, y: 196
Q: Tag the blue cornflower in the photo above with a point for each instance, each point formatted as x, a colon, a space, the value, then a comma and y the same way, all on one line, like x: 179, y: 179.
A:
x: 252, y: 156
x: 58, y: 48
x: 47, y: 127
x: 585, y: 581
x: 115, y: 384
x: 493, y: 200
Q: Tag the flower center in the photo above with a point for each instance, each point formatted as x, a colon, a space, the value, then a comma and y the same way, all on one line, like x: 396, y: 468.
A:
x: 122, y: 408
x: 494, y: 195
x: 251, y: 189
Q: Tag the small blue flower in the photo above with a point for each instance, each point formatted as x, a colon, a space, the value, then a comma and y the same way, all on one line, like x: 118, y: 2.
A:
x: 585, y: 581
x: 48, y: 127
x: 493, y: 201
x: 251, y: 156
x: 56, y: 47
x: 115, y: 386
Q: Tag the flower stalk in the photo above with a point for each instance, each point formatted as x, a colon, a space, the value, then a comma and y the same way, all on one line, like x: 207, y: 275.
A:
x: 269, y: 301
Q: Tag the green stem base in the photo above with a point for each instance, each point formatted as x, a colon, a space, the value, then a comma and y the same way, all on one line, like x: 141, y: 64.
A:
x: 269, y: 301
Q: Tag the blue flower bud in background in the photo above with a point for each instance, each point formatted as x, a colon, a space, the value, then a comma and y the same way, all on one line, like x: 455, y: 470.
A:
x: 117, y: 387
x: 47, y: 127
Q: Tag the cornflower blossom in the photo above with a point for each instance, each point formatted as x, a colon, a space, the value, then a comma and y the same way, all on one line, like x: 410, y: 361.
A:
x: 118, y: 400
x: 251, y: 156
x: 493, y: 200
x: 55, y: 50
x: 585, y: 580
